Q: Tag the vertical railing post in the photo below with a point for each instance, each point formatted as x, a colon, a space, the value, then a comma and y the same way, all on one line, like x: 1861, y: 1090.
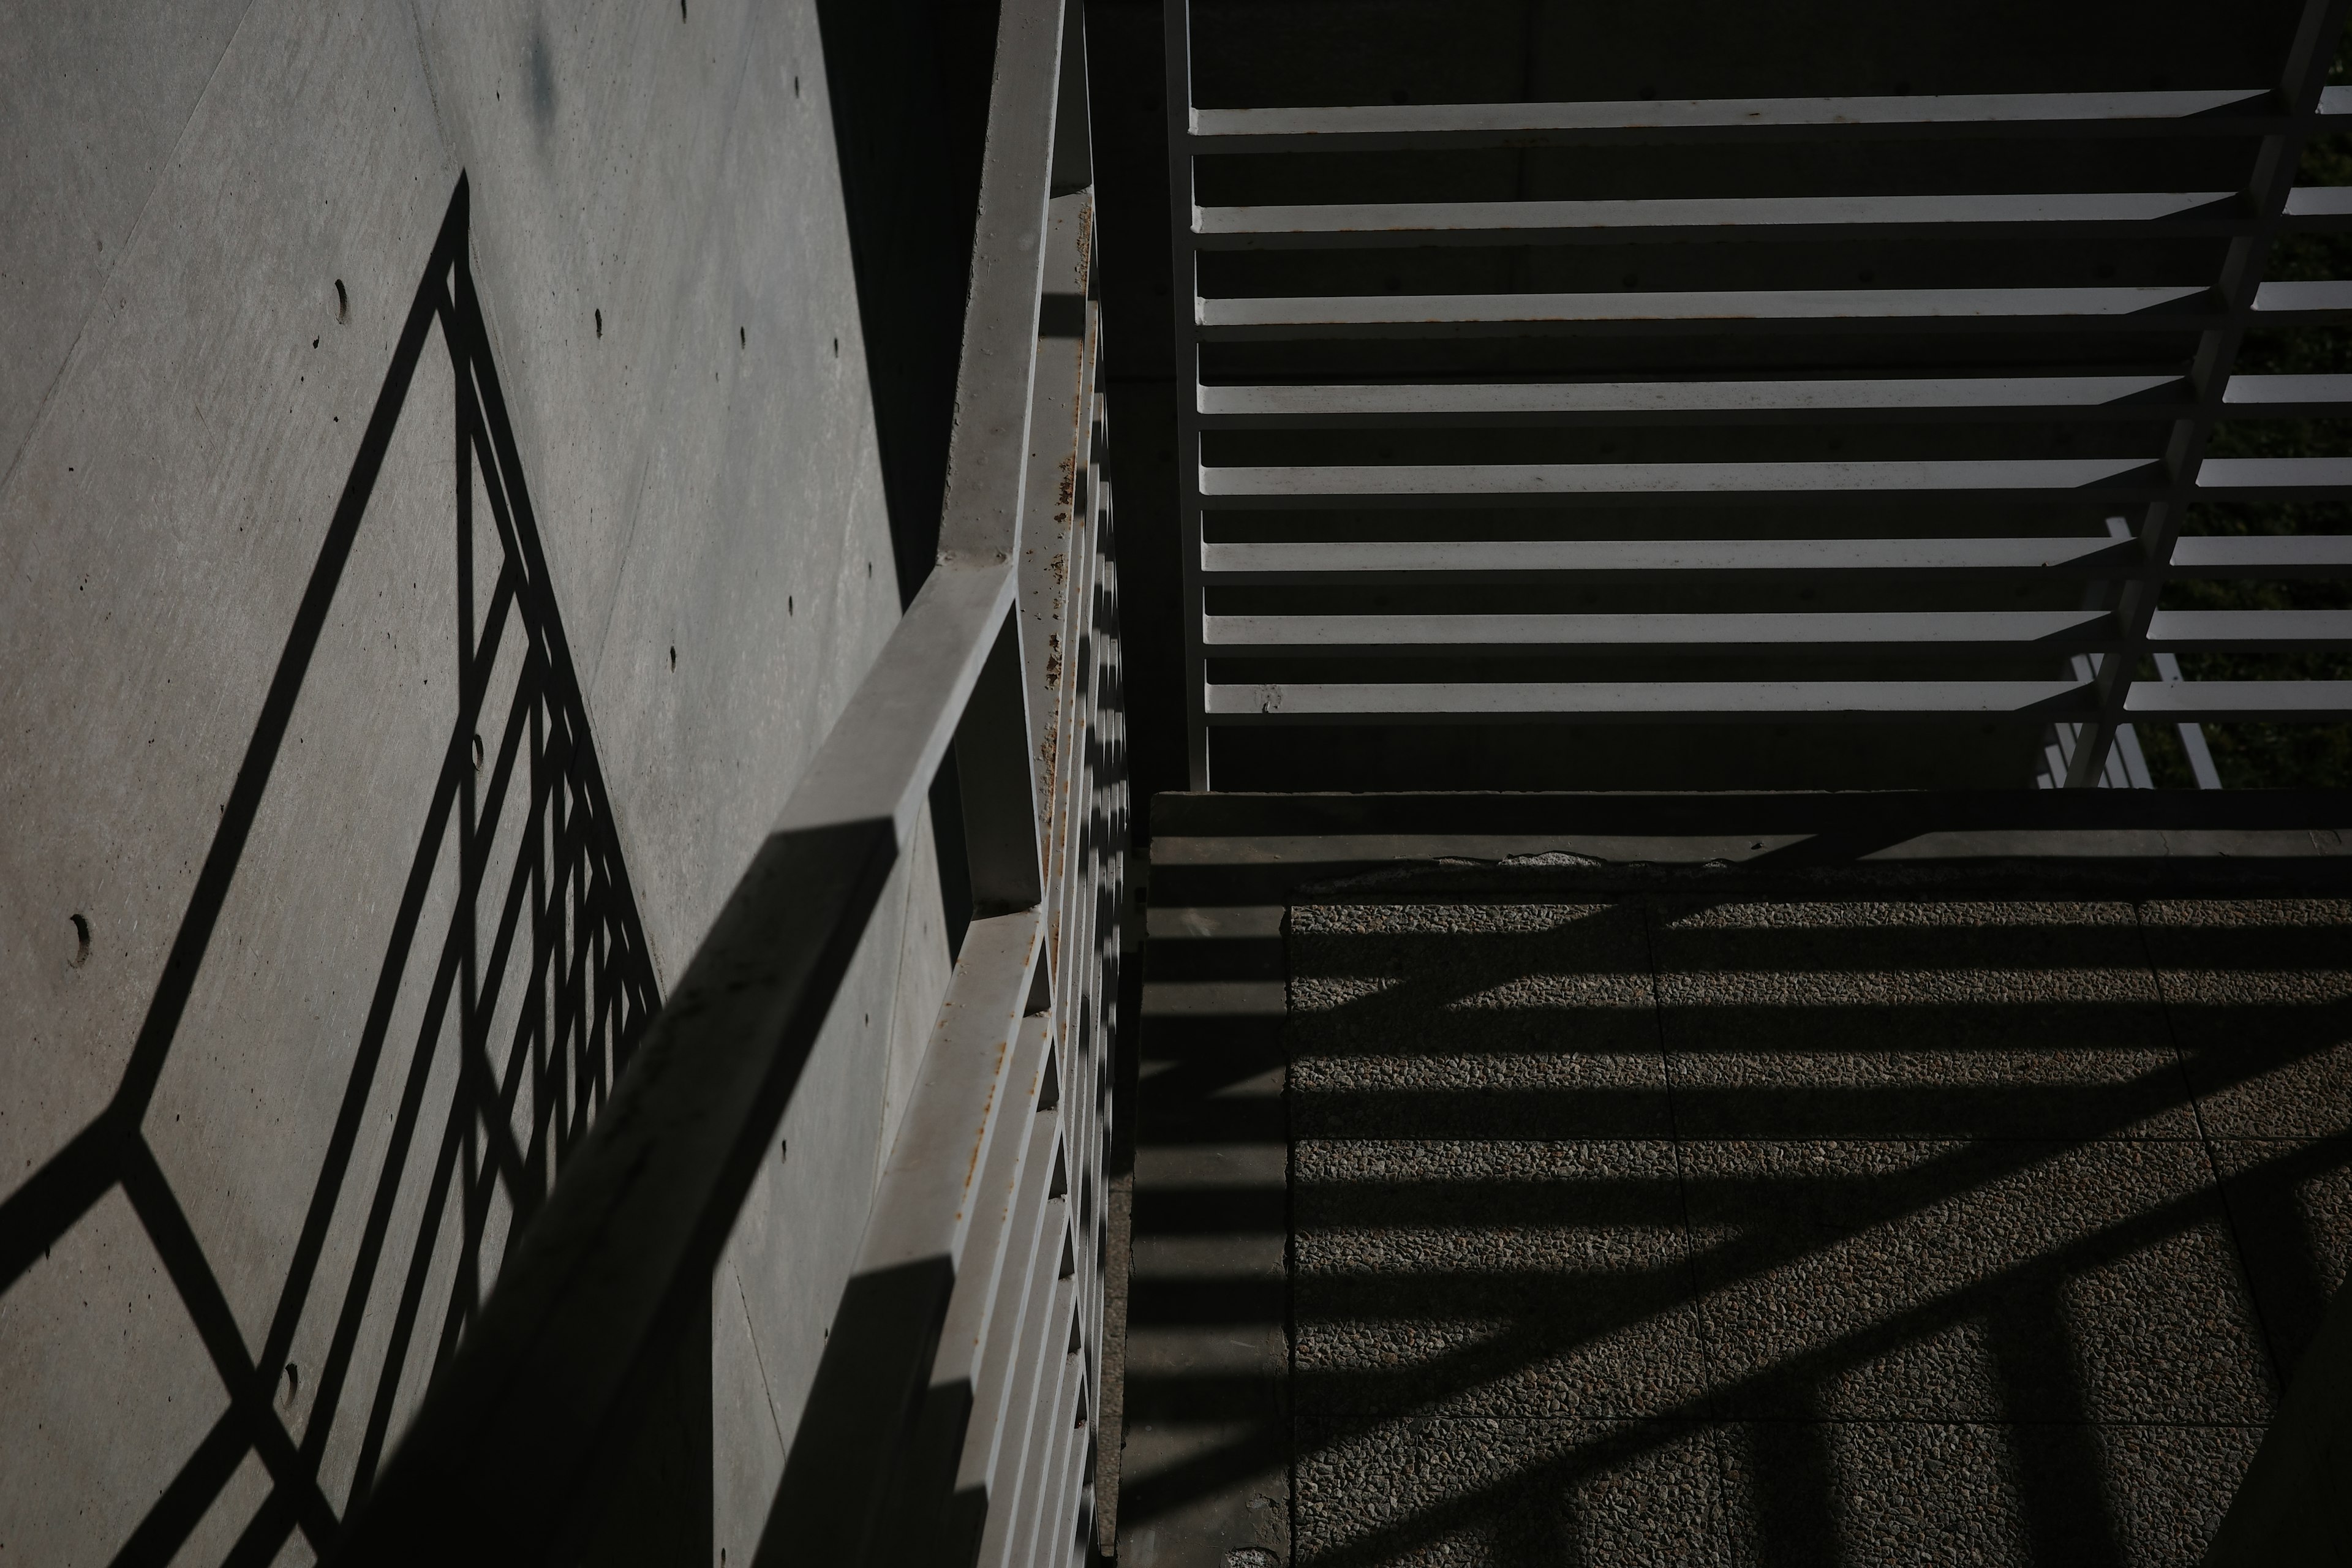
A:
x: 1184, y: 284
x: 2299, y: 85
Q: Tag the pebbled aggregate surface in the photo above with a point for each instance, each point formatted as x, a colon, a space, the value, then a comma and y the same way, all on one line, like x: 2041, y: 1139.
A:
x: 1650, y: 1230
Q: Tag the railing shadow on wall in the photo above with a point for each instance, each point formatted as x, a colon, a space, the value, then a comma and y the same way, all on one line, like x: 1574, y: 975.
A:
x: 539, y: 988
x: 972, y: 1307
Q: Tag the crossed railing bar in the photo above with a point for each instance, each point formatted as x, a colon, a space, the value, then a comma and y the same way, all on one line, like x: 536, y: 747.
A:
x: 513, y: 1448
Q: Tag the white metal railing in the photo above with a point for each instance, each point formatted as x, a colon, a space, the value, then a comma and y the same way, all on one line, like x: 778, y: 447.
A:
x: 951, y: 1417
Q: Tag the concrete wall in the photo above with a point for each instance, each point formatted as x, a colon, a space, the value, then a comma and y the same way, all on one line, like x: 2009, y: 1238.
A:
x: 302, y: 997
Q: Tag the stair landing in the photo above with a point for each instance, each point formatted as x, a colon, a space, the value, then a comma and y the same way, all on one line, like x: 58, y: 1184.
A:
x: 1697, y: 1180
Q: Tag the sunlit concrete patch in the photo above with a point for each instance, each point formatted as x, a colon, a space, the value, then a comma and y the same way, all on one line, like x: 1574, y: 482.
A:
x: 1455, y: 1492
x: 1991, y: 1282
x: 1503, y: 1020
x: 1914, y: 1018
x: 1491, y: 1277
x: 96, y: 1327
x: 2259, y: 995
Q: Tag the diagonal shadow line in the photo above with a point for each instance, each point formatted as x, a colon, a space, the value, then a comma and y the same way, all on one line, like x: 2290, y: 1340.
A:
x: 358, y: 1286
x: 1979, y: 1297
x: 455, y: 1138
x: 566, y: 844
x: 343, y: 1141
x: 1985, y: 1161
x: 2178, y: 1091
x: 33, y: 1217
x: 1196, y: 1077
x: 257, y: 1544
x: 555, y: 764
x: 497, y: 1112
x: 110, y: 1150
x: 1264, y: 1446
x: 517, y: 1165
x: 2022, y: 1360
x: 456, y: 1141
x: 1742, y: 1261
x: 176, y: 1514
x: 2265, y: 1308
x: 175, y: 1242
x: 378, y: 1225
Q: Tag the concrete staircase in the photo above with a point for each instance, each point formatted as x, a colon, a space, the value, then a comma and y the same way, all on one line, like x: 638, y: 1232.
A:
x: 1695, y: 1180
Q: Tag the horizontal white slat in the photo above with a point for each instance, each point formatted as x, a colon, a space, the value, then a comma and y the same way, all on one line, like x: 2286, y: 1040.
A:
x: 2287, y: 394
x: 1569, y: 402
x: 1940, y: 632
x: 1421, y: 484
x: 1677, y: 701
x: 1506, y: 560
x: 2278, y: 478
x: 2222, y: 701
x: 2129, y: 308
x: 1705, y: 217
x: 2261, y: 554
x: 1370, y: 126
x: 2181, y: 630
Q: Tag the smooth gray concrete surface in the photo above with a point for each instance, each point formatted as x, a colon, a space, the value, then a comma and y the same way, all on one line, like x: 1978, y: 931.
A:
x: 218, y: 218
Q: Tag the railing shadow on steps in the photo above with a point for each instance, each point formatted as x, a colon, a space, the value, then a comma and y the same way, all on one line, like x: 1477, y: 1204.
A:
x: 949, y: 1419
x: 1492, y: 1359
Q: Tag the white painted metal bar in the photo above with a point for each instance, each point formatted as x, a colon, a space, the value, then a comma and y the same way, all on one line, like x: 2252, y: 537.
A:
x: 2199, y: 630
x: 2133, y: 308
x: 1719, y: 402
x: 2262, y: 555
x: 1013, y: 1323
x: 2274, y: 478
x: 1882, y: 633
x: 1027, y: 1505
x: 1054, y: 1550
x: 1060, y: 1496
x: 1383, y: 127
x: 2288, y: 394
x: 2192, y: 735
x: 1518, y: 560
x: 914, y: 695
x: 2228, y: 701
x: 1185, y: 278
x: 1016, y: 1483
x: 1619, y: 703
x: 2093, y: 359
x: 1552, y: 484
x: 2219, y: 555
x: 2319, y: 202
x: 938, y: 1517
x: 1688, y: 219
x: 2297, y: 304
